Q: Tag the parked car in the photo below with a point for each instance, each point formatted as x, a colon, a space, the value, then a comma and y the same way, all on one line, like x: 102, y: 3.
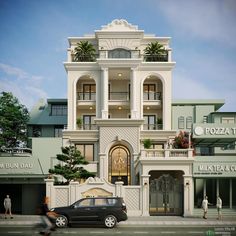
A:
x: 103, y: 210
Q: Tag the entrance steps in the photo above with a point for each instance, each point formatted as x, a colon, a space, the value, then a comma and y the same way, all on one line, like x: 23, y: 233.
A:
x: 212, y: 213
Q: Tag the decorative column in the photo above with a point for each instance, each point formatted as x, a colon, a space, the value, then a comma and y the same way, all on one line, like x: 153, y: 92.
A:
x: 119, y: 188
x: 188, y: 196
x: 103, y: 166
x: 73, y: 187
x: 133, y: 96
x: 104, y: 93
x: 145, y: 194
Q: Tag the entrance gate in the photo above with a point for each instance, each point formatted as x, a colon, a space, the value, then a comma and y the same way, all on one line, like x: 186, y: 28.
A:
x: 166, y: 196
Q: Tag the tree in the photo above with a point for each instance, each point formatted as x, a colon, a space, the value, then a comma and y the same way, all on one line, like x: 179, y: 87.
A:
x: 155, y: 52
x: 13, y: 121
x: 84, y: 51
x: 71, y: 168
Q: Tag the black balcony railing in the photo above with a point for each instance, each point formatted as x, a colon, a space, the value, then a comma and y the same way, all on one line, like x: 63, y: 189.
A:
x: 156, y: 58
x: 121, y: 96
x: 87, y: 96
x: 151, y: 96
x: 90, y: 127
x: 152, y: 127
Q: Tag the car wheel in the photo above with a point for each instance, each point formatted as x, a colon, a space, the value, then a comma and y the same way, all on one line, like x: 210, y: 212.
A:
x: 110, y: 221
x: 61, y: 221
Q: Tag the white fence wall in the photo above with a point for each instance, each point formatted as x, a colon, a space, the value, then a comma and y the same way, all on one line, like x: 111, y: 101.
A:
x: 93, y: 187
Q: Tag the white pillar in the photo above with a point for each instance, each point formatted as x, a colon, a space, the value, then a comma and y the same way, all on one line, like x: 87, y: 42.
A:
x: 119, y: 188
x: 133, y: 91
x: 188, y: 196
x: 104, y: 93
x: 145, y: 194
x: 103, y: 166
x: 73, y: 193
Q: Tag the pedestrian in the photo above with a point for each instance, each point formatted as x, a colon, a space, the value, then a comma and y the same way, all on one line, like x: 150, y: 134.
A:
x: 7, y: 206
x: 205, y: 207
x: 47, y: 218
x: 219, y: 207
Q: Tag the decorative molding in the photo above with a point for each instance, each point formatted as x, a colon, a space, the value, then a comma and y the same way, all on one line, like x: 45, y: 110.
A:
x: 119, y: 25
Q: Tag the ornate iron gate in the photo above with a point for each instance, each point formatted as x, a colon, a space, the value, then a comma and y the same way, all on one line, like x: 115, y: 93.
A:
x: 166, y: 196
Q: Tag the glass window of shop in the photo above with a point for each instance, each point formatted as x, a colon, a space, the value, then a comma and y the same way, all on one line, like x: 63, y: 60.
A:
x: 224, y: 191
x: 234, y: 193
x: 211, y: 188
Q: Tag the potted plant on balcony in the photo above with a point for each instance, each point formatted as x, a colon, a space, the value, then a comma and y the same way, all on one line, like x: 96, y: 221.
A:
x: 147, y: 143
x: 182, y: 140
x: 155, y: 52
x: 84, y: 52
x: 79, y: 122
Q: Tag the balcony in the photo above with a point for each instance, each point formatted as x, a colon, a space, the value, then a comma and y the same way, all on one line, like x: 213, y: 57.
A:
x: 133, y: 55
x: 89, y: 127
x: 152, y: 127
x: 151, y: 96
x: 86, y: 96
x: 166, y: 153
x: 119, y: 96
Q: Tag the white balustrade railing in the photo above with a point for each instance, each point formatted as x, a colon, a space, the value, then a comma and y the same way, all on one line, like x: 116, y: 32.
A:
x: 166, y: 152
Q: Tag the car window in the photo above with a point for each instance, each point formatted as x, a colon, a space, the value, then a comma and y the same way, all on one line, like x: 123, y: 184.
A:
x: 85, y: 202
x: 100, y: 202
x: 112, y: 201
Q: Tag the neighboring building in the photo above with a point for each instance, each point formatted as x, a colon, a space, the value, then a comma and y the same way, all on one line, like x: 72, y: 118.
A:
x: 23, y: 170
x: 122, y: 100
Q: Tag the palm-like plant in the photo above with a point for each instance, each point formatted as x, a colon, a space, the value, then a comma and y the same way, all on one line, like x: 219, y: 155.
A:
x: 155, y: 52
x: 84, y: 52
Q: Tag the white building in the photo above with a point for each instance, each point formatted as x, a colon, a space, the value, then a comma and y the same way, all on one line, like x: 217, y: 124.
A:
x: 123, y: 100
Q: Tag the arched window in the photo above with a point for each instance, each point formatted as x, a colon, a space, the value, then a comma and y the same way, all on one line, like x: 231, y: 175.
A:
x: 119, y: 164
x: 181, y: 122
x: 119, y: 53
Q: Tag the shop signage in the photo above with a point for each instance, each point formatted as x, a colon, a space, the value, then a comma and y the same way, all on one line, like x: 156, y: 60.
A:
x: 16, y: 165
x: 198, y: 130
x: 214, y: 169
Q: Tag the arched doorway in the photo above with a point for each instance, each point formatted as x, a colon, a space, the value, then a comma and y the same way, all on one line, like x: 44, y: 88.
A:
x: 119, y: 164
x: 166, y: 193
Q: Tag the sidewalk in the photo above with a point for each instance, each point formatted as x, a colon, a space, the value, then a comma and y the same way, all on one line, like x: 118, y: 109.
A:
x: 134, y: 221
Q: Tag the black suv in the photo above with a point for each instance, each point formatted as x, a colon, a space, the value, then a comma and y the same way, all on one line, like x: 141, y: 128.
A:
x: 105, y: 210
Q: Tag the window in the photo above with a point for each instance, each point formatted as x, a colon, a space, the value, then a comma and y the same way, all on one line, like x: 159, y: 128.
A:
x: 150, y: 123
x: 149, y: 92
x: 119, y: 53
x: 228, y: 120
x: 87, y: 151
x: 189, y: 121
x: 89, y: 92
x: 36, y: 131
x: 181, y: 122
x: 86, y: 202
x: 88, y: 122
x: 59, y: 110
x: 100, y: 202
x: 58, y: 131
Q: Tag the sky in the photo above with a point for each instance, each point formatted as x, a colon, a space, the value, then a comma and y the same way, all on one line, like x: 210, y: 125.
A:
x: 33, y: 43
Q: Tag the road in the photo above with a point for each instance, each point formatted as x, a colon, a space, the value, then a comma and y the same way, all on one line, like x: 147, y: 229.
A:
x: 124, y: 231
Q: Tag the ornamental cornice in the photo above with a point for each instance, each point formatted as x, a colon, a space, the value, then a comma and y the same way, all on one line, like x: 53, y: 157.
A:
x: 118, y: 63
x: 75, y: 66
x: 119, y: 122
